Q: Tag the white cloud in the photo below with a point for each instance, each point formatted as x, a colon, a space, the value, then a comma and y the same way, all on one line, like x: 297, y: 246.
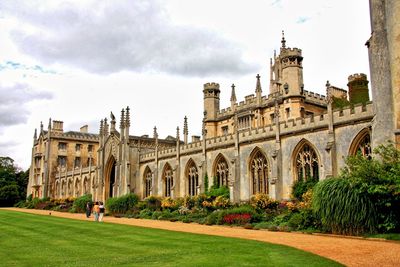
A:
x: 14, y: 100
x: 111, y: 36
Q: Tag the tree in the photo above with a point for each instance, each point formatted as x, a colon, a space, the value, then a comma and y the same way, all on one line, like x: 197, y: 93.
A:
x: 13, y: 182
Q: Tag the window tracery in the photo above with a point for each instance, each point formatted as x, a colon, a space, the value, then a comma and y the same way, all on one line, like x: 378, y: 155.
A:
x: 147, y: 182
x: 168, y: 180
x: 222, y: 172
x: 193, y: 179
x: 307, y: 165
x: 259, y: 173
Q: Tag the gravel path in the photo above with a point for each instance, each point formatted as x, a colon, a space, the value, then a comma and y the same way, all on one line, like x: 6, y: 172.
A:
x: 348, y: 251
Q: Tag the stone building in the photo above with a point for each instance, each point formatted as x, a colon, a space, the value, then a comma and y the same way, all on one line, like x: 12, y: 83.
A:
x: 262, y: 144
x: 54, y: 152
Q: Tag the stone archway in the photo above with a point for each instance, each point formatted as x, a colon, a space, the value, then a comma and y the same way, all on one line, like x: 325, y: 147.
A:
x: 109, y: 179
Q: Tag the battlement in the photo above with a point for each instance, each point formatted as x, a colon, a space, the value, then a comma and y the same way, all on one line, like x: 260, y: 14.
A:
x: 313, y: 95
x: 290, y: 52
x: 357, y: 76
x: 347, y: 115
x: 211, y: 86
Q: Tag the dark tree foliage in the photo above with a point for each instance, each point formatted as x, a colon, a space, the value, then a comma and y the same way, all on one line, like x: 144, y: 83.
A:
x: 13, y: 182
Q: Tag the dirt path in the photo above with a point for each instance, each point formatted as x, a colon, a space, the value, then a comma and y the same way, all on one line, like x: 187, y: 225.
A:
x: 348, y: 251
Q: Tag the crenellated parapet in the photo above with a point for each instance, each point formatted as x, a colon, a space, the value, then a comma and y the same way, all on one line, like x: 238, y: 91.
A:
x: 311, y: 123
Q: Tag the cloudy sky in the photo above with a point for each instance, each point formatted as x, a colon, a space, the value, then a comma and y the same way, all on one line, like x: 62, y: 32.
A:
x: 76, y: 61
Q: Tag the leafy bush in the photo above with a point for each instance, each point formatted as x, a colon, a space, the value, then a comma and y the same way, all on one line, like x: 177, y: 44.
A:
x: 146, y: 214
x: 220, y: 202
x: 302, y: 186
x: 80, y: 203
x: 153, y: 202
x: 263, y: 202
x: 216, y: 191
x: 169, y: 203
x: 120, y: 205
x: 379, y: 179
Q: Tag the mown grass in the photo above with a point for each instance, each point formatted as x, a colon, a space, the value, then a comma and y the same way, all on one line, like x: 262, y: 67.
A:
x: 34, y: 240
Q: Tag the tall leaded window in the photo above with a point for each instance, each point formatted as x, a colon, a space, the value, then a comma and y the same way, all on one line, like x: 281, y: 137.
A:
x: 307, y: 163
x: 364, y: 146
x: 85, y: 186
x: 168, y: 180
x: 222, y: 172
x: 147, y: 182
x: 193, y: 178
x: 77, y: 187
x: 259, y: 173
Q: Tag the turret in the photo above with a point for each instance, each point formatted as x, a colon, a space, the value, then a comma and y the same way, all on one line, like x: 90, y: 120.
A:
x: 211, y: 100
x: 358, y: 88
x: 287, y: 71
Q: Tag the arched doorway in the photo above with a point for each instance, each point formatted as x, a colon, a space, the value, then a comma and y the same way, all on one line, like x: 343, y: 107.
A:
x: 109, y: 181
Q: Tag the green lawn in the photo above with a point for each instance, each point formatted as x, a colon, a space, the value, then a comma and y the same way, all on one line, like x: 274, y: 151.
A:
x: 34, y: 240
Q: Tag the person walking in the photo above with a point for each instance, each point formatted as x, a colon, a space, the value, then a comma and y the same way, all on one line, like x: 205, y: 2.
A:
x: 88, y: 209
x: 102, y: 209
x: 96, y: 211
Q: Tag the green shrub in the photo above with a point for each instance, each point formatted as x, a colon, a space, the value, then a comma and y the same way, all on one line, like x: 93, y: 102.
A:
x: 295, y: 221
x: 120, y: 205
x: 153, y: 202
x: 342, y: 208
x: 216, y: 191
x: 156, y: 215
x: 302, y: 186
x: 80, y: 203
x: 146, y: 214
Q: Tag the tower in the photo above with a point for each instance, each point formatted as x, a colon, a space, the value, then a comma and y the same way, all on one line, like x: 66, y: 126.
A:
x: 287, y: 71
x: 384, y: 59
x: 358, y: 88
x: 211, y: 101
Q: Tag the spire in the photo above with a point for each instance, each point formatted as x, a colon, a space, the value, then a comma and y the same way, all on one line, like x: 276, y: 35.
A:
x: 233, y: 94
x: 35, y: 135
x: 49, y: 126
x: 127, y: 118
x: 155, y: 134
x: 185, y: 130
x: 105, y: 127
x: 177, y: 133
x: 122, y: 120
x: 185, y: 126
x: 41, y: 127
x: 283, y: 40
x: 101, y: 127
x: 258, y: 85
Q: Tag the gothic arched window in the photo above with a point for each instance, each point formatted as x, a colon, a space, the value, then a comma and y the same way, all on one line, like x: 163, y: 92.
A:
x: 193, y: 178
x: 362, y: 145
x: 147, y: 182
x: 85, y: 186
x: 77, y: 187
x: 259, y: 173
x: 307, y: 163
x: 221, y: 171
x: 168, y: 180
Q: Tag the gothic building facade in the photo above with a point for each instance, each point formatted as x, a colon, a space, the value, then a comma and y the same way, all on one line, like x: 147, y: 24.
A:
x: 260, y: 145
